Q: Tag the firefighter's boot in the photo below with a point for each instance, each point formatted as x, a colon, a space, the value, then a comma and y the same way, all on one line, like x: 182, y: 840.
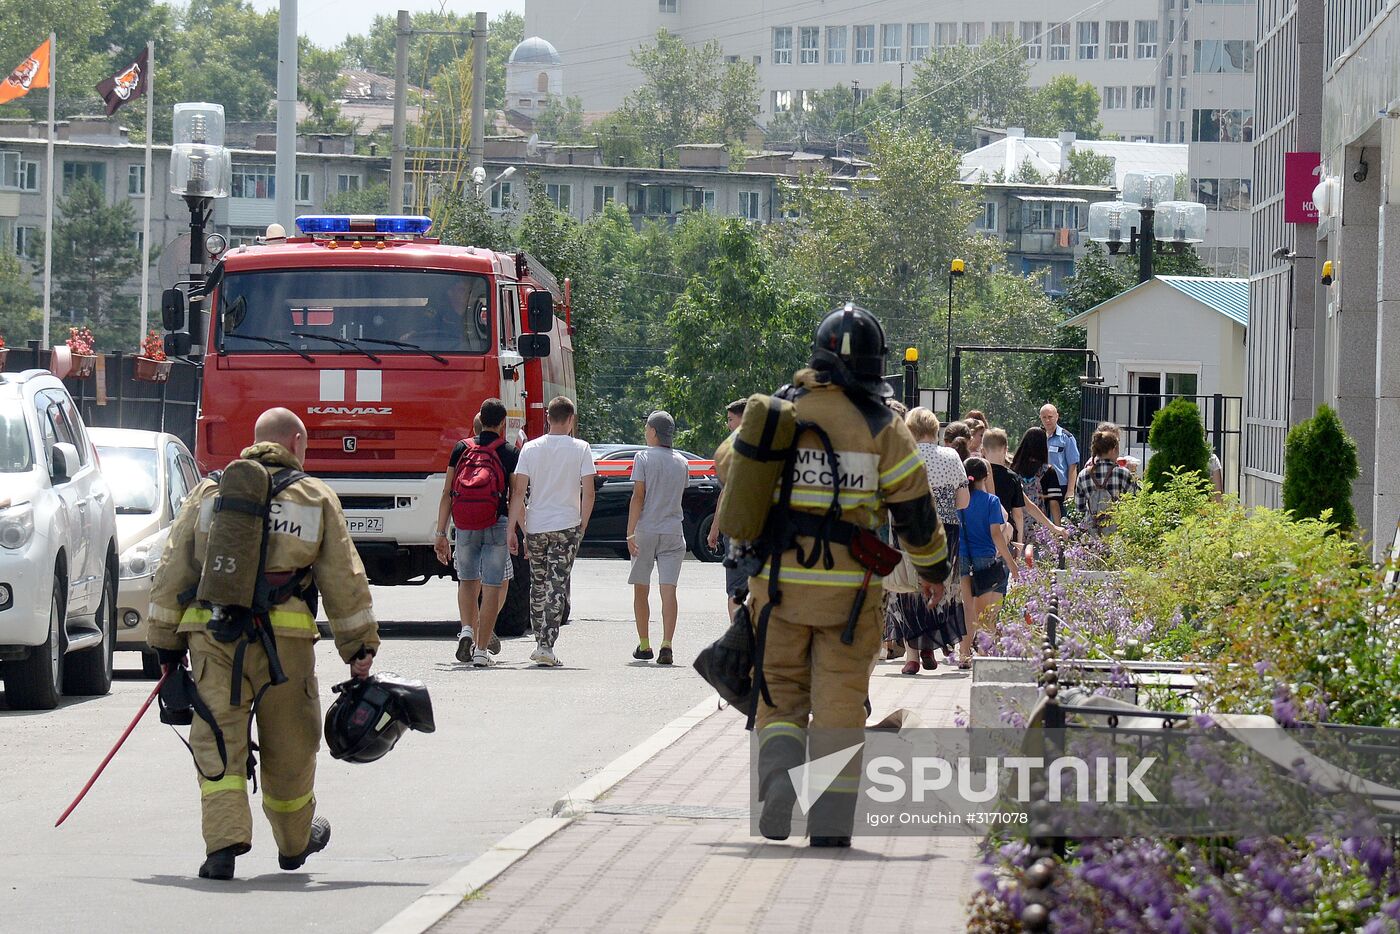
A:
x: 219, y: 864
x: 320, y: 836
x: 782, y: 747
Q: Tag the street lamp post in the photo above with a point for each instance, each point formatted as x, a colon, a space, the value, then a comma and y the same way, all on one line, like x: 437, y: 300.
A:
x: 955, y: 270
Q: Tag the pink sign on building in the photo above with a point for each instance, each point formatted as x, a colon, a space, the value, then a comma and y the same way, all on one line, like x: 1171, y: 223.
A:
x: 1299, y: 179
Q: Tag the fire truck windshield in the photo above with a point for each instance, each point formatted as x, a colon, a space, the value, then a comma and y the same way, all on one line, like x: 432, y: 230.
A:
x: 442, y: 312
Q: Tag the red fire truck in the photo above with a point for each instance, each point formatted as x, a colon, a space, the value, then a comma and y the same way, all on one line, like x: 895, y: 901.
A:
x: 385, y: 342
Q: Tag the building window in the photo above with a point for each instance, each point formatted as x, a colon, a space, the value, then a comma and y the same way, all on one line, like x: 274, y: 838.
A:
x: 1051, y: 215
x: 1115, y: 97
x: 1171, y: 32
x: 1144, y: 97
x: 865, y: 45
x: 1223, y: 56
x: 974, y: 33
x: 1169, y: 101
x: 1117, y: 39
x: 1181, y: 100
x: 254, y: 180
x: 1088, y: 41
x: 137, y: 241
x: 502, y: 196
x: 666, y: 6
x: 861, y: 95
x: 891, y: 42
x: 918, y: 42
x: 1030, y: 37
x: 804, y: 101
x: 1168, y: 72
x: 1059, y: 42
x: 1223, y: 194
x: 303, y: 188
x: 750, y: 205
x: 782, y: 102
x: 1181, y: 130
x: 1004, y: 29
x: 76, y: 171
x: 18, y: 173
x: 782, y: 45
x: 1146, y: 38
x: 561, y: 196
x: 811, y: 51
x: 707, y: 201
x: 1222, y: 126
x: 25, y: 238
x: 238, y: 236
x: 136, y: 179
x: 836, y: 45
x: 344, y: 183
x: 945, y: 35
x: 602, y: 194
x: 987, y: 218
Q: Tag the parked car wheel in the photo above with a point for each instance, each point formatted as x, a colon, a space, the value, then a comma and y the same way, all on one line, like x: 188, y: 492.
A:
x: 33, y: 684
x: 701, y: 546
x: 514, y: 619
x: 89, y: 672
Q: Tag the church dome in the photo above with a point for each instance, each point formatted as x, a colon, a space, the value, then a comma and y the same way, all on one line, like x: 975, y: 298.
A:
x: 534, y: 51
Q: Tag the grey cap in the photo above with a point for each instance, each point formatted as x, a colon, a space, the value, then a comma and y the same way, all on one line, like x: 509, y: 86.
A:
x: 664, y: 426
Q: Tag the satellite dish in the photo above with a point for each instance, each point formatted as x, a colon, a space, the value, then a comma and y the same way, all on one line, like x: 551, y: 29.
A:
x: 532, y: 145
x: 174, y: 260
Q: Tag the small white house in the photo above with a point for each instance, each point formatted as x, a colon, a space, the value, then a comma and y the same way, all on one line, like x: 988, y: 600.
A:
x: 1167, y: 337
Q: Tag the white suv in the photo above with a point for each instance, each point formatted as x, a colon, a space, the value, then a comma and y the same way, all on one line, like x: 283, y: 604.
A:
x: 58, y: 556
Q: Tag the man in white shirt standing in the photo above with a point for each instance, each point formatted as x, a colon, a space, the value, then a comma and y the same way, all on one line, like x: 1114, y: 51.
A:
x: 557, y: 469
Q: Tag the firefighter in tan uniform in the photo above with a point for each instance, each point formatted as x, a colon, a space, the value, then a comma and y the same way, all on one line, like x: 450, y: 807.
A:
x: 815, y: 681
x: 308, y: 549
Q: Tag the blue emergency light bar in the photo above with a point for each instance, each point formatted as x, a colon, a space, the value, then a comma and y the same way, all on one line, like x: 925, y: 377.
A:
x: 401, y: 224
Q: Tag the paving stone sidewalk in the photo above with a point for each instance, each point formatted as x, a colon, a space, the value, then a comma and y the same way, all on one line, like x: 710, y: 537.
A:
x: 669, y: 849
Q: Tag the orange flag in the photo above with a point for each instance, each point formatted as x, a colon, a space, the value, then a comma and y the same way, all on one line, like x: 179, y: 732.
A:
x: 31, y: 73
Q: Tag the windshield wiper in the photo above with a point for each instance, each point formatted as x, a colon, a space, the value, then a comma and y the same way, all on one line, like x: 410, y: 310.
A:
x: 406, y: 346
x: 274, y: 342
x: 337, y: 340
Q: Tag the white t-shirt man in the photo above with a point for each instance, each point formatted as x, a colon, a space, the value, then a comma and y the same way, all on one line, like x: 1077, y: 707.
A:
x: 555, y: 465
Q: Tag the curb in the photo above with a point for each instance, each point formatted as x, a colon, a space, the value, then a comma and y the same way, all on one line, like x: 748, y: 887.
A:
x: 436, y: 903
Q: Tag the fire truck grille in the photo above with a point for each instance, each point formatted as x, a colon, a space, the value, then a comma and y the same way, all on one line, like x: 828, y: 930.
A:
x: 363, y: 434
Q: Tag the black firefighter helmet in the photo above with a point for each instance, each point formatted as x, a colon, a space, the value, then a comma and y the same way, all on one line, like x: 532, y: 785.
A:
x: 370, y: 715
x: 849, y: 344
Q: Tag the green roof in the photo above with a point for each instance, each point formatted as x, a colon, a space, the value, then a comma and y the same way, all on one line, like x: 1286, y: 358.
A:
x: 1229, y: 297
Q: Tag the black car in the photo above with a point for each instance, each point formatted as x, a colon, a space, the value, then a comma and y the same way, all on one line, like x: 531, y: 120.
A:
x: 608, y: 525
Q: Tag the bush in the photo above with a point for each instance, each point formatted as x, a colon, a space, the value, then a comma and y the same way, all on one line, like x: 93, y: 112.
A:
x: 1319, y: 465
x: 1178, y: 441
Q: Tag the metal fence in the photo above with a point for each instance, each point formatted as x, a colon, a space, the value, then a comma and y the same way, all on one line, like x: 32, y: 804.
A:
x: 120, y: 400
x: 1223, y: 417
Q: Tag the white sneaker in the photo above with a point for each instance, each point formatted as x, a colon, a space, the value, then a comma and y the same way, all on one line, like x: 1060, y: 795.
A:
x: 544, y: 657
x: 481, y: 660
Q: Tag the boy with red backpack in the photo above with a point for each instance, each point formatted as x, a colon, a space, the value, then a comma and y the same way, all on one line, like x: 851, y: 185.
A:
x: 475, y: 495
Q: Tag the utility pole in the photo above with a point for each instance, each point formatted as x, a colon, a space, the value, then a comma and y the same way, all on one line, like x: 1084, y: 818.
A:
x: 286, y: 177
x: 398, y: 144
x: 855, y: 99
x: 476, y: 150
x: 901, y: 95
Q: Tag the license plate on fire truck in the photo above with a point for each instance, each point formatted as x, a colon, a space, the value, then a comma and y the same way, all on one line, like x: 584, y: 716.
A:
x: 360, y: 525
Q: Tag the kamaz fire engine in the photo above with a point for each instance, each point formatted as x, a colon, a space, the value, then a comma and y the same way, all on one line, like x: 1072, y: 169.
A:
x: 385, y: 342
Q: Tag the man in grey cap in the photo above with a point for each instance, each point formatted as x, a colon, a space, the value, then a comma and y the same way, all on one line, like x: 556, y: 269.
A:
x: 655, y: 534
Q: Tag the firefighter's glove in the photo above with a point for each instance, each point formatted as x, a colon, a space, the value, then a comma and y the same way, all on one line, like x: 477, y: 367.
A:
x: 171, y: 658
x: 360, y: 663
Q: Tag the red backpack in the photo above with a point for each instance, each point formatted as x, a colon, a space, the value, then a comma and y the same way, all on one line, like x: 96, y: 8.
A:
x: 478, y: 490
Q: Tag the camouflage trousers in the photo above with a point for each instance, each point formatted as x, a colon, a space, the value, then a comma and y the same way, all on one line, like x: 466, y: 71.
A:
x: 551, y: 562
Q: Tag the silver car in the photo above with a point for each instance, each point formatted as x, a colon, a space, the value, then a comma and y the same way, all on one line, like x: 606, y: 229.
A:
x: 150, y: 473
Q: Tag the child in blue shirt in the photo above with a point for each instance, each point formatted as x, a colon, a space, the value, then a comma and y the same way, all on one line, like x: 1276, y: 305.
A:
x: 983, y: 547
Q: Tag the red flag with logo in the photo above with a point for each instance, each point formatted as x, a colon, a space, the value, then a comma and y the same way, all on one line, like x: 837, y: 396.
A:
x: 31, y: 73
x: 131, y: 82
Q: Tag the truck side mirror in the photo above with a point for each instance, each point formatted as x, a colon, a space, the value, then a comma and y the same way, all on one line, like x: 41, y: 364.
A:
x: 533, y: 346
x: 178, y: 344
x: 539, y: 309
x: 172, y: 309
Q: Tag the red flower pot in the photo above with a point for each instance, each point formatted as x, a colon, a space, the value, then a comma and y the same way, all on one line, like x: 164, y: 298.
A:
x: 152, y: 371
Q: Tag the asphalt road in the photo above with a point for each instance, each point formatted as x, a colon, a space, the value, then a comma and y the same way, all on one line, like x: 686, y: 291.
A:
x: 509, y: 742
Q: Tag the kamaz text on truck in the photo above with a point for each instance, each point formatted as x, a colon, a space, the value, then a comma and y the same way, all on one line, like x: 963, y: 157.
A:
x: 385, y: 342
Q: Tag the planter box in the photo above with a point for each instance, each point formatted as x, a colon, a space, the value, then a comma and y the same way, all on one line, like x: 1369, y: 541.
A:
x: 84, y: 365
x: 153, y: 371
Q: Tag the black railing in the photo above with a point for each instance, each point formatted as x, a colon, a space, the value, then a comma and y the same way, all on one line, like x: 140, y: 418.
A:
x: 124, y: 401
x: 1132, y: 412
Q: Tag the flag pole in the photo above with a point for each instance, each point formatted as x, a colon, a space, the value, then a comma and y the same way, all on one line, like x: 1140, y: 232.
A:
x: 146, y: 216
x: 48, y: 199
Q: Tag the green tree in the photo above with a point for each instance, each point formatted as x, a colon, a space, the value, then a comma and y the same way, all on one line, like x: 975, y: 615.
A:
x: 507, y: 31
x: 81, y: 26
x: 20, y: 316
x: 961, y: 87
x: 689, y: 95
x: 223, y: 51
x: 833, y: 115
x: 561, y: 120
x: 737, y: 330
x: 466, y: 222
x: 1087, y: 167
x: 1319, y: 466
x: 372, y: 199
x: 320, y: 88
x: 94, y: 258
x: 1065, y: 104
x: 1178, y: 441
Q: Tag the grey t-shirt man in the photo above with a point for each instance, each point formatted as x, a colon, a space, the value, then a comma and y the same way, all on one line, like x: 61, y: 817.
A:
x: 665, y: 473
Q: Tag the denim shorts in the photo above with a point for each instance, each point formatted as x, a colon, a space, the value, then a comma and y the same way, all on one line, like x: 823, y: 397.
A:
x: 482, y: 554
x: 977, y: 564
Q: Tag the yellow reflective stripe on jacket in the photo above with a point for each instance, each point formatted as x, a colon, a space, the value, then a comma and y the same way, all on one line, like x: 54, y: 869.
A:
x: 898, y: 472
x: 281, y: 619
x: 280, y: 806
x: 227, y: 783
x: 927, y: 558
x: 850, y: 499
x: 819, y: 577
